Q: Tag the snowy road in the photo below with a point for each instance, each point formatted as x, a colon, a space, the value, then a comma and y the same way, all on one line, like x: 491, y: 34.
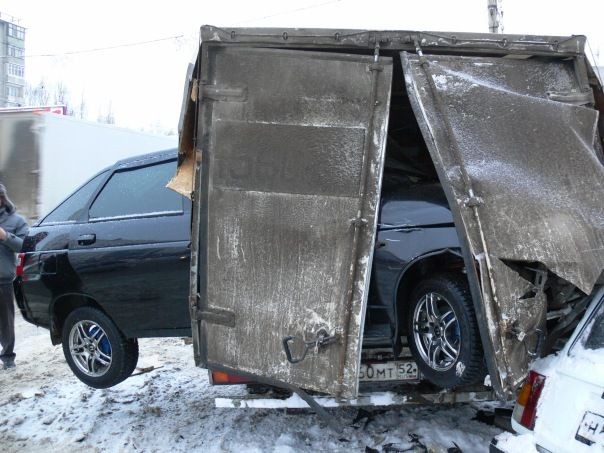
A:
x: 43, y: 407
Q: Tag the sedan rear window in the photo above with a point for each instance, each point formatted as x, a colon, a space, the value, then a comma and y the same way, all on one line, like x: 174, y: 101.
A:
x: 73, y: 207
x: 139, y: 191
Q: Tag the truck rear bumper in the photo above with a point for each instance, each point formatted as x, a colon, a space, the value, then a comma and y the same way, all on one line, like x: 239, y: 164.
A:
x: 376, y: 399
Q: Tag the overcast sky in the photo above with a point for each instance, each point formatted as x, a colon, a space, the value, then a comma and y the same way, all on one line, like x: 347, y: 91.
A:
x: 143, y: 83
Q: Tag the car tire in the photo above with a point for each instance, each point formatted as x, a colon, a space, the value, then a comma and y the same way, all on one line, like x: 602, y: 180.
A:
x: 443, y: 333
x: 97, y: 352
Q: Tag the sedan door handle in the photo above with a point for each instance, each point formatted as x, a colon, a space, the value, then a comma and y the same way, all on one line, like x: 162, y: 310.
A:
x: 86, y: 239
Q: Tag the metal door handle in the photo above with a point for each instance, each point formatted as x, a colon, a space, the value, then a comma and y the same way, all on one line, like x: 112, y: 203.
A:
x: 86, y: 239
x: 323, y: 338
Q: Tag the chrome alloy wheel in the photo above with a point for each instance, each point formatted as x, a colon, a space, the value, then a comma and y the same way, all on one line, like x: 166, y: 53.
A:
x: 436, y: 332
x: 90, y: 348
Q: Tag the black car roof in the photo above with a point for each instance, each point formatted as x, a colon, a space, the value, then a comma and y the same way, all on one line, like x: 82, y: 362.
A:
x: 143, y: 158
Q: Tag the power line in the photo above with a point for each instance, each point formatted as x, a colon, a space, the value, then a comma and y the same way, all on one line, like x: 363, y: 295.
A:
x: 169, y: 38
x: 99, y: 49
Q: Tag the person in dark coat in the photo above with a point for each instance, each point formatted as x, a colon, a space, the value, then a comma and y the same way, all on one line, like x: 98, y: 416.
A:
x: 13, y: 228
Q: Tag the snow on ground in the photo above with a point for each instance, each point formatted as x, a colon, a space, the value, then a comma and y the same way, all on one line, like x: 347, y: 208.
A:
x: 44, y: 408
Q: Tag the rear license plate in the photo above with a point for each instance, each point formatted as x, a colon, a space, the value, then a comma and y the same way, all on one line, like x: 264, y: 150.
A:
x: 389, y: 371
x: 591, y: 429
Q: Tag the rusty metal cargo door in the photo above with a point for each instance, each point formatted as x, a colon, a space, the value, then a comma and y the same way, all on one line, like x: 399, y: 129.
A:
x: 292, y: 157
x: 513, y: 142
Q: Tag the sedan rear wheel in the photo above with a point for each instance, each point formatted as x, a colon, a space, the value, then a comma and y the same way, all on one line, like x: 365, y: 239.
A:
x: 90, y: 348
x: 96, y: 350
x: 437, y: 334
x: 443, y: 333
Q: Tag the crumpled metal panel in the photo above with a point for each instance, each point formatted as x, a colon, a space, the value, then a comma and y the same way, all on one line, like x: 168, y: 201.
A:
x: 523, y: 180
x: 292, y: 157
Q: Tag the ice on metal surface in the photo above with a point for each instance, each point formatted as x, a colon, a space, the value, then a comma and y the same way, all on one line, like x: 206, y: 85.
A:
x: 523, y: 180
x: 288, y: 213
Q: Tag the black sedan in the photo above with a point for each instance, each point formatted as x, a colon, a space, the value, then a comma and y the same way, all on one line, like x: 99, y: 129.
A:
x: 111, y: 264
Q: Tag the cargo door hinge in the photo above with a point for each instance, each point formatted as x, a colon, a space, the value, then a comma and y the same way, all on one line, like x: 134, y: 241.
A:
x: 359, y: 222
x: 376, y: 66
x: 423, y: 61
x: 473, y: 200
x: 211, y: 315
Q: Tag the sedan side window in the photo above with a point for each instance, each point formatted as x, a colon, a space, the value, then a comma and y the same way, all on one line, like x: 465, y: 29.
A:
x: 592, y: 333
x: 72, y: 208
x: 595, y: 339
x: 140, y: 191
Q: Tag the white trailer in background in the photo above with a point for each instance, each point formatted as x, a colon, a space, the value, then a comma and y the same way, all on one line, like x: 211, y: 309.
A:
x: 44, y: 156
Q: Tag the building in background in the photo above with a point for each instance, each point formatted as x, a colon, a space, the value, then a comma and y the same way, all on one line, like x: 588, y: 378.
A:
x: 46, y: 156
x: 12, y: 59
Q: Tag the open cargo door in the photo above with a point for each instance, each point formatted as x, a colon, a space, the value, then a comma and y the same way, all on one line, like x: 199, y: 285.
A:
x: 292, y: 158
x: 513, y: 142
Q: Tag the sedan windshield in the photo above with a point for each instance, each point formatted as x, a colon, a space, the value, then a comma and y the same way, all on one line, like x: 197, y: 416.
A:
x: 595, y: 337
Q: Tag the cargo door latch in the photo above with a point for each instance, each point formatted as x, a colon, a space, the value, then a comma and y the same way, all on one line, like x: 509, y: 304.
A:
x: 322, y: 339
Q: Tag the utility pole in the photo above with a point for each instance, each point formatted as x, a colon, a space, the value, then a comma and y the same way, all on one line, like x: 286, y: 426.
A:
x: 495, y: 16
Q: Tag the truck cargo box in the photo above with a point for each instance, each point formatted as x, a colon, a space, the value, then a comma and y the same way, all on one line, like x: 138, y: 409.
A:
x: 283, y: 143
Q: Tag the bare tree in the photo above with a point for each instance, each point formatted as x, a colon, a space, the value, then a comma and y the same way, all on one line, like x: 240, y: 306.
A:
x: 61, y: 95
x: 107, y: 117
x: 42, y: 93
x: 82, y: 107
x: 36, y: 95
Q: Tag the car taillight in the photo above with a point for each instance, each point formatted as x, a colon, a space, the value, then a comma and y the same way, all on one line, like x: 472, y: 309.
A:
x: 20, y: 264
x: 222, y: 378
x: 525, y: 411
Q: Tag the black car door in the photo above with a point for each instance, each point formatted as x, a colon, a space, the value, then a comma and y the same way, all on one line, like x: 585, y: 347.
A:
x: 46, y: 271
x: 132, y: 255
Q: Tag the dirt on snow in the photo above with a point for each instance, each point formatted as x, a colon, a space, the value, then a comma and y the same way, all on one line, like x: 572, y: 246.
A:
x: 44, y: 408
